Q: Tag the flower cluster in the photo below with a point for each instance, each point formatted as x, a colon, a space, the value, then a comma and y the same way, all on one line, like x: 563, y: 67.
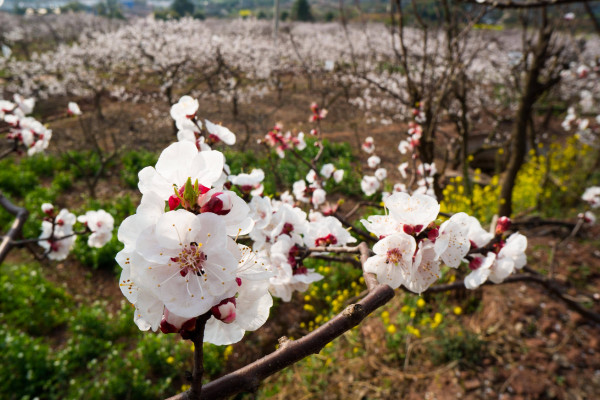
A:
x: 180, y: 260
x: 283, y: 235
x: 310, y: 190
x: 24, y: 131
x: 422, y: 181
x: 190, y: 127
x: 318, y: 113
x: 282, y: 142
x: 100, y: 224
x: 496, y: 257
x: 586, y: 130
x: 413, y: 244
x: 58, y: 236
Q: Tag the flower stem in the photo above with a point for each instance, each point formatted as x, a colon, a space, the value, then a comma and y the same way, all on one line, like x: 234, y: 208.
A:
x: 197, y: 337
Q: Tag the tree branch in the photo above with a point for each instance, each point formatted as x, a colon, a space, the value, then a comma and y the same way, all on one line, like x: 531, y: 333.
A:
x: 21, y: 215
x: 550, y: 284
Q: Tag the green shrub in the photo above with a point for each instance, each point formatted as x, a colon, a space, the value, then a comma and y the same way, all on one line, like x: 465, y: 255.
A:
x: 29, y: 302
x: 133, y: 162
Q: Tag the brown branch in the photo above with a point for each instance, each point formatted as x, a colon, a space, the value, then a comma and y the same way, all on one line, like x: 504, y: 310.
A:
x: 21, y: 215
x: 329, y: 249
x: 359, y: 205
x: 289, y: 352
x: 197, y: 337
x: 365, y: 235
x: 550, y: 284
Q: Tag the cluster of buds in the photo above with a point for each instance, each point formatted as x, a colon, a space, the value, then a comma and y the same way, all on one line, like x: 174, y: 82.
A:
x: 318, y: 113
x: 198, y: 199
x: 415, y: 131
x: 282, y: 142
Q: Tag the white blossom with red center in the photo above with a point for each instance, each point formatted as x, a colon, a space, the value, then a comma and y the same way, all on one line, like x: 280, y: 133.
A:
x: 393, y: 259
x: 368, y: 146
x: 327, y: 231
x: 58, y: 235
x: 187, y: 261
x: 185, y: 108
x: 480, y: 270
x: 176, y: 164
x: 249, y: 183
x: 290, y: 274
x: 181, y: 162
x: 592, y: 196
x: 247, y: 307
x: 101, y: 224
x: 220, y: 133
x: 373, y: 161
x: 369, y: 185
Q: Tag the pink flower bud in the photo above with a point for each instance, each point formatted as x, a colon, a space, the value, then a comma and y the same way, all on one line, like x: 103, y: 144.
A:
x: 48, y: 209
x: 225, y: 310
x: 433, y: 234
x: 408, y: 229
x: 219, y: 203
x: 475, y: 263
x: 502, y: 225
x: 166, y: 327
x: 174, y: 202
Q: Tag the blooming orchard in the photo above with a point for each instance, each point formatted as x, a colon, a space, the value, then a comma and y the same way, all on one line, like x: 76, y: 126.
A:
x: 182, y: 258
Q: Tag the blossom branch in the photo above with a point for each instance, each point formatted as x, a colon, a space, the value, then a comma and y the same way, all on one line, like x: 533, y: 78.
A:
x: 50, y: 238
x: 21, y: 215
x: 550, y: 284
x: 359, y: 205
x: 291, y: 351
x: 10, y: 150
x: 365, y: 235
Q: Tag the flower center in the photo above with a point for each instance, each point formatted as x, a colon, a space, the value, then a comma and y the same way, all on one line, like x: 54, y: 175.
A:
x: 190, y: 259
x: 327, y: 240
x: 394, y: 256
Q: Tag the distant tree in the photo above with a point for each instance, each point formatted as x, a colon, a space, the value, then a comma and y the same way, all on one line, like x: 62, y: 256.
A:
x: 301, y: 11
x: 74, y: 6
x: 183, y: 7
x: 261, y: 15
x: 329, y: 16
x: 199, y: 14
x: 165, y: 14
x: 284, y: 15
x: 109, y: 9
